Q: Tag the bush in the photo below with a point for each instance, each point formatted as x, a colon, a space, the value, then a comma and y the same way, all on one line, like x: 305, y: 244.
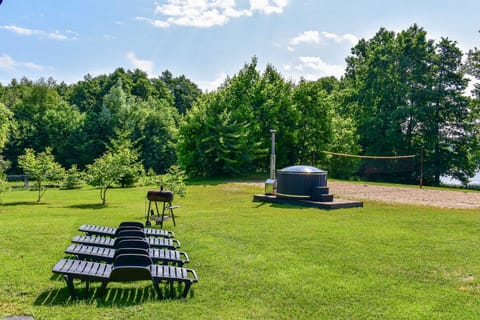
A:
x: 173, y: 180
x: 73, y: 179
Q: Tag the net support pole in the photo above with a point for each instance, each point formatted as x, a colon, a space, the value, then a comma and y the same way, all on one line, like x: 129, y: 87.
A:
x: 421, y: 168
x: 272, y: 155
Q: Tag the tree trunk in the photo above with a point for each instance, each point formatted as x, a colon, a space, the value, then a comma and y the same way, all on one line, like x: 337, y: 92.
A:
x: 39, y: 188
x: 103, y: 195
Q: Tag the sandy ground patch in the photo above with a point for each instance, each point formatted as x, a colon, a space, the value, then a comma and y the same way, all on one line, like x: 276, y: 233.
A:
x: 406, y: 195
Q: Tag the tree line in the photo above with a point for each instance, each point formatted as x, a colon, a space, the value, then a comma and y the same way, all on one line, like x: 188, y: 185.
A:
x: 401, y: 94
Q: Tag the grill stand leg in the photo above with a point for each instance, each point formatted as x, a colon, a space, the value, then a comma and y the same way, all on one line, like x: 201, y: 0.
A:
x: 167, y: 211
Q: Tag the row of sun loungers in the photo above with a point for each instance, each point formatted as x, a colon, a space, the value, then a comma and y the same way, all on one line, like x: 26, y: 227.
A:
x: 161, y: 256
x: 114, y: 232
x: 127, y: 253
x: 108, y: 242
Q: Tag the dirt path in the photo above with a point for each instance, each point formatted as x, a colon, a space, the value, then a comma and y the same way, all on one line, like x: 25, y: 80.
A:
x: 414, y: 196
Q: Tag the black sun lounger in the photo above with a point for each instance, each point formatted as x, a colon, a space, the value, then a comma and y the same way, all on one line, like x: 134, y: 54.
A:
x: 126, y: 267
x: 91, y: 230
x: 162, y: 256
x: 160, y: 243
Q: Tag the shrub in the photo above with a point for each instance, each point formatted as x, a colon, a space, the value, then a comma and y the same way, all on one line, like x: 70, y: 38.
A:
x: 73, y: 179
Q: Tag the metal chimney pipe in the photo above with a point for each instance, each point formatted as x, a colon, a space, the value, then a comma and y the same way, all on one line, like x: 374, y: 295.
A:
x: 272, y: 156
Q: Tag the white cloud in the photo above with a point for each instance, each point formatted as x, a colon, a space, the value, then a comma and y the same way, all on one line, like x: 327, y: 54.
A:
x: 57, y: 35
x: 154, y: 22
x: 321, y: 67
x: 197, y: 13
x: 212, y: 85
x: 144, y: 65
x: 298, y: 67
x: 306, y: 37
x: 31, y: 65
x: 316, y: 37
x: 20, y: 30
x: 8, y: 64
x: 203, y: 19
x: 268, y: 6
x: 350, y: 38
x: 312, y: 68
x: 208, y: 13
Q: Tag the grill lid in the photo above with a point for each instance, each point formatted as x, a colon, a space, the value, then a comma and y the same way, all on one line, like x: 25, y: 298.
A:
x: 301, y: 169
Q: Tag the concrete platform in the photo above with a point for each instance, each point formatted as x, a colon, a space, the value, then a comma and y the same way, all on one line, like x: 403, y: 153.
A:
x: 335, y: 204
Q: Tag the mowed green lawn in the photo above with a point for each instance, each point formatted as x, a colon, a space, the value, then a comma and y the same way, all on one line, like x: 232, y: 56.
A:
x: 254, y: 260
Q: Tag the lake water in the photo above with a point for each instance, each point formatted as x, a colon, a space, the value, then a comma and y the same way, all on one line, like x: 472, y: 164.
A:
x: 474, y: 180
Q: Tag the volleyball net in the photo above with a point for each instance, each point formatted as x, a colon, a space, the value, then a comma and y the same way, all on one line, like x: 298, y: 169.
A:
x: 376, y: 168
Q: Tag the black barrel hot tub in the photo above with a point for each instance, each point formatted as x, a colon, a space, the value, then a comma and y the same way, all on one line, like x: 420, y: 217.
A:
x: 303, y: 182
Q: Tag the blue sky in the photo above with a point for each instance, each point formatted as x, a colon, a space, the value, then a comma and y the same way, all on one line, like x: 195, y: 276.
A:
x: 208, y: 40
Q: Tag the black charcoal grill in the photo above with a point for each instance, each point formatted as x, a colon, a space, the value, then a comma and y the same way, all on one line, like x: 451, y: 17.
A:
x: 166, y: 198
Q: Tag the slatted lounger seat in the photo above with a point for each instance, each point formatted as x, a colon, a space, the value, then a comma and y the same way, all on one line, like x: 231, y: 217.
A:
x: 161, y: 243
x: 85, y: 252
x: 126, y: 267
x: 113, y: 232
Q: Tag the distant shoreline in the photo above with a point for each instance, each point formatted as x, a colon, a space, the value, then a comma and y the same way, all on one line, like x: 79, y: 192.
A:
x: 448, y: 180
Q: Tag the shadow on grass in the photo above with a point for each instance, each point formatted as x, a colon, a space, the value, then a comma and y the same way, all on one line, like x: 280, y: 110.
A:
x: 22, y: 203
x: 94, y: 206
x: 111, y: 297
x: 225, y: 180
x: 278, y: 205
x: 288, y: 206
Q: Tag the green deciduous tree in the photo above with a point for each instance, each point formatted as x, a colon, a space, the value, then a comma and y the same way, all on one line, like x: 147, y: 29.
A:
x: 6, y: 124
x: 154, y: 129
x: 273, y: 108
x: 389, y: 77
x: 173, y: 180
x: 103, y: 173
x: 344, y: 140
x: 191, y: 152
x: 184, y: 91
x: 406, y: 95
x: 127, y: 157
x: 448, y: 129
x: 213, y: 144
x: 472, y: 67
x: 41, y: 167
x: 315, y: 125
x: 217, y: 136
x: 73, y: 178
x: 118, y: 166
x: 42, y: 118
x: 3, y: 177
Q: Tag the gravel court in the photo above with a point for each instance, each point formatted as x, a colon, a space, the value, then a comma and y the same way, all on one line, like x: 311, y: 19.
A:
x: 406, y: 195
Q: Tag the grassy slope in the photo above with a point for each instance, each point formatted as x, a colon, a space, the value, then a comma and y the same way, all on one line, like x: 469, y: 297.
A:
x: 254, y: 260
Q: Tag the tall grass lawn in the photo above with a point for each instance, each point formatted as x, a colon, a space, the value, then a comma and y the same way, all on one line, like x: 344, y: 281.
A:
x: 254, y: 260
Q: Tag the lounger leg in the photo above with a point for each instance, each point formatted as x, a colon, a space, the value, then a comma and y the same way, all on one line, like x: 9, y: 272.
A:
x: 71, y: 288
x: 87, y: 288
x: 103, y: 288
x: 157, y: 289
x: 171, y: 289
x: 187, y: 287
